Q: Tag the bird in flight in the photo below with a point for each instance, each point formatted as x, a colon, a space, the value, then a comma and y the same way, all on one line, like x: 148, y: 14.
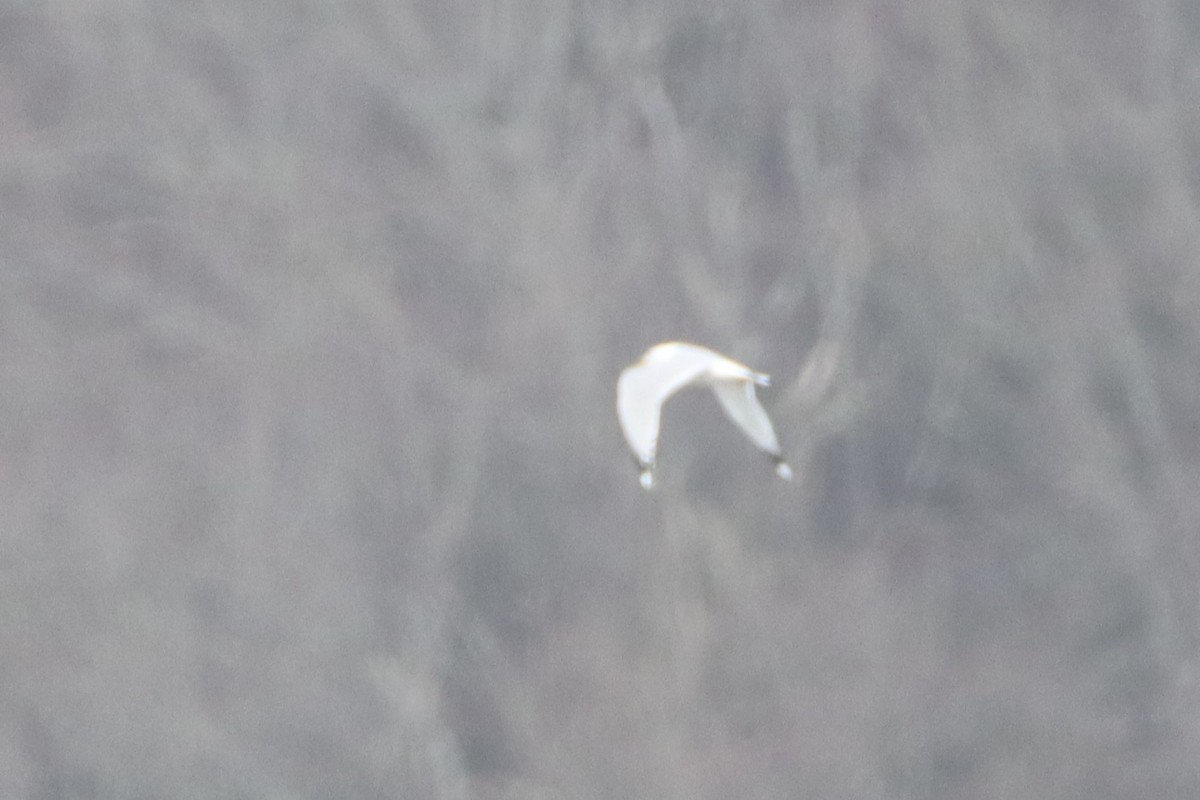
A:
x: 668, y: 367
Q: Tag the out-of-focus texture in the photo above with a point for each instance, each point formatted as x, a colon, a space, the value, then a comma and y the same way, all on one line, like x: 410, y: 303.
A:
x: 311, y: 483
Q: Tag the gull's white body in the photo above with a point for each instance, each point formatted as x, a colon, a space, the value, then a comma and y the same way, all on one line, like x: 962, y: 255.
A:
x: 665, y: 369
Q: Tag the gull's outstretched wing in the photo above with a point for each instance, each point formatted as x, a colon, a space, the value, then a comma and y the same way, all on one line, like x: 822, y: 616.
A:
x: 742, y: 406
x: 644, y: 387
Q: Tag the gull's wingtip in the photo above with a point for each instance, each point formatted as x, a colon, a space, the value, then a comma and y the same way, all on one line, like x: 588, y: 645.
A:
x: 646, y: 479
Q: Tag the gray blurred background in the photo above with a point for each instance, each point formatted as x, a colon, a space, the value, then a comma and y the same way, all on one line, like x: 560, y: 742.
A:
x: 310, y: 319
